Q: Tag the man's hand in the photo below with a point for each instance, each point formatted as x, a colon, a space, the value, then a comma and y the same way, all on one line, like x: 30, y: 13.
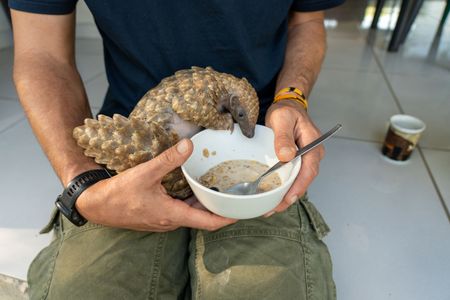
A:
x: 293, y: 128
x: 135, y: 199
x: 287, y: 118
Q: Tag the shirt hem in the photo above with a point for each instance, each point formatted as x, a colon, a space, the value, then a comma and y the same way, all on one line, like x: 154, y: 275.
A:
x: 42, y: 8
x: 316, y: 6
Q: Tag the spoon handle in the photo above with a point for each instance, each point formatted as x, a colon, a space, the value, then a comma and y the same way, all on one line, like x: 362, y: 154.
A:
x: 304, y: 150
x: 317, y: 142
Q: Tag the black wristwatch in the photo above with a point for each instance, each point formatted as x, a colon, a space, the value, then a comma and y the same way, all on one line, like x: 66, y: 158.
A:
x: 66, y: 201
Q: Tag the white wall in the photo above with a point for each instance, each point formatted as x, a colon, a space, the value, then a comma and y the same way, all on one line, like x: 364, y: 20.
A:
x: 85, y: 26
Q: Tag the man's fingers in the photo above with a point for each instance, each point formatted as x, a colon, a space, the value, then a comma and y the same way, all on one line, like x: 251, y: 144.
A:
x: 193, y: 202
x: 197, y: 218
x: 171, y: 159
x: 283, y: 128
x: 308, y: 171
x: 292, y: 127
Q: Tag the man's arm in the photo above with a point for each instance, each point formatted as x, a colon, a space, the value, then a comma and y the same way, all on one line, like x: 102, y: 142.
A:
x: 50, y: 88
x: 305, y: 51
x: 52, y: 94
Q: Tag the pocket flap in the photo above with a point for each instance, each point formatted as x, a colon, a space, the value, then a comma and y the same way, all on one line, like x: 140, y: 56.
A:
x: 53, y: 217
x: 317, y: 222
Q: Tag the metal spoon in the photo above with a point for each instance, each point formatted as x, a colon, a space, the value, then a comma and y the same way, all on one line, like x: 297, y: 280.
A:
x: 250, y: 188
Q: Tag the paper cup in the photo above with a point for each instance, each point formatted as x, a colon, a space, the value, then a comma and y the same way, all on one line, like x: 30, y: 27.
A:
x: 402, y: 136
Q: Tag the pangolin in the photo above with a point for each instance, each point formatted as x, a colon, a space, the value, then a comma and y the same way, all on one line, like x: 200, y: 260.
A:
x: 178, y: 107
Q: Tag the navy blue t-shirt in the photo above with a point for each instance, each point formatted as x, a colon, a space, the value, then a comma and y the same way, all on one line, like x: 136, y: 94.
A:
x: 145, y: 41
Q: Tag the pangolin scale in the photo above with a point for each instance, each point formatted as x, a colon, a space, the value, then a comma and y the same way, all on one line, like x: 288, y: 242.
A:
x: 177, y: 107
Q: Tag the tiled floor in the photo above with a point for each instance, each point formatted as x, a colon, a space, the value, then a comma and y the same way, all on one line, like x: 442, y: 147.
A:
x: 390, y: 234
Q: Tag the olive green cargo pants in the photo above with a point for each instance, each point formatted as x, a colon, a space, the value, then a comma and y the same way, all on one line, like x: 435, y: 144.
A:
x: 281, y: 257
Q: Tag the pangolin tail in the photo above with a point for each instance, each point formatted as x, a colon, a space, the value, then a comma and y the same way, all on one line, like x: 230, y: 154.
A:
x: 121, y: 143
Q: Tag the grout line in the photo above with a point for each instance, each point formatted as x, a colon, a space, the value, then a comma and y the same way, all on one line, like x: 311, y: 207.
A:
x: 381, y: 142
x: 98, y: 39
x: 357, y: 139
x: 12, y: 125
x: 358, y: 38
x: 436, y: 187
x: 430, y: 173
x: 435, y: 149
x: 386, y: 79
x: 343, y: 69
x: 93, y: 78
x: 8, y: 98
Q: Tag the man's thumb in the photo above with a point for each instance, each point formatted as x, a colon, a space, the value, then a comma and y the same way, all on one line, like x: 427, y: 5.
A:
x: 283, y: 130
x: 173, y: 157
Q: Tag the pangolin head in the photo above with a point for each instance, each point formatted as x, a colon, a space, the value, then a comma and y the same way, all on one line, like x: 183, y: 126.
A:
x: 244, y: 106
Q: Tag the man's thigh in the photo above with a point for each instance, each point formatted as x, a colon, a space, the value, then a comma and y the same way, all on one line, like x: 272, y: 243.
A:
x: 97, y: 262
x: 281, y: 257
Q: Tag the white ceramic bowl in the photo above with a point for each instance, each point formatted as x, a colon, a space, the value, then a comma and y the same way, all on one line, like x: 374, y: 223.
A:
x: 231, y: 146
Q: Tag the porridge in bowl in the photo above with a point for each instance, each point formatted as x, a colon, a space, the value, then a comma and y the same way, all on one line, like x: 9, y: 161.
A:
x: 231, y: 172
x: 223, y: 147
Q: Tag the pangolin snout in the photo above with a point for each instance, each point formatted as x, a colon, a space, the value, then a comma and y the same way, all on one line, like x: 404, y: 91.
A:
x: 248, y: 132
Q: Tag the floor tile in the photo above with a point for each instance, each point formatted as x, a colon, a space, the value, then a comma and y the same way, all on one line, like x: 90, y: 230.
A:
x: 388, y: 238
x: 29, y: 185
x: 349, y: 54
x: 96, y: 90
x: 6, y: 56
x: 348, y: 18
x: 347, y: 29
x: 427, y: 98
x: 10, y: 113
x: 422, y: 52
x: 90, y: 66
x: 353, y: 18
x: 89, y: 46
x: 18, y: 247
x: 416, y: 55
x: 439, y: 163
x: 412, y: 60
x: 95, y: 110
x: 12, y: 288
x: 7, y: 87
x: 29, y: 188
x: 360, y: 101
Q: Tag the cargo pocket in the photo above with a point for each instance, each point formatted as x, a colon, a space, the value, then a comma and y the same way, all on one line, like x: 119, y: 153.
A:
x: 252, y: 259
x: 316, y: 221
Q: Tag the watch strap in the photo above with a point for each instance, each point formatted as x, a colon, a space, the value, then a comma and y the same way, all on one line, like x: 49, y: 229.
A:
x: 66, y: 201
